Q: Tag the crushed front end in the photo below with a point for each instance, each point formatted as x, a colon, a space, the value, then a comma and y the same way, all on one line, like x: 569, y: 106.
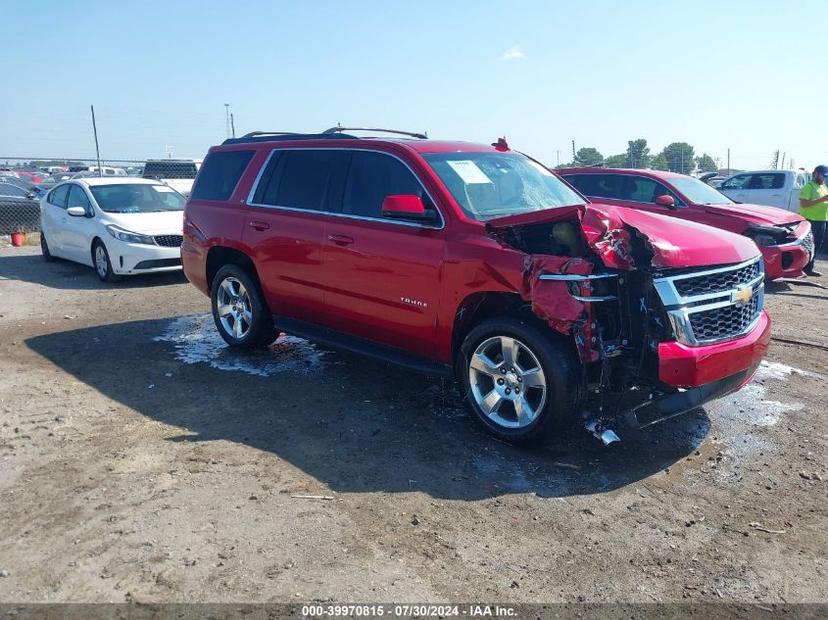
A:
x: 659, y: 328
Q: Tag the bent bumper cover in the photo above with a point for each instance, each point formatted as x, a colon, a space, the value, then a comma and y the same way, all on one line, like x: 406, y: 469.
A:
x: 681, y: 365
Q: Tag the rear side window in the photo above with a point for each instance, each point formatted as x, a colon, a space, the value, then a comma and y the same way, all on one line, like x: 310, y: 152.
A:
x: 220, y: 174
x: 58, y: 196
x: 311, y: 180
x: 372, y: 177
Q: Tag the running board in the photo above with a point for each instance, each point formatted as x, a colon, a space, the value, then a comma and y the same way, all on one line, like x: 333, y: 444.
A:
x: 336, y: 340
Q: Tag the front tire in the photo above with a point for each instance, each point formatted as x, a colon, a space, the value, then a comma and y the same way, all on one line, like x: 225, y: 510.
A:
x: 239, y: 311
x: 103, y: 266
x: 520, y: 384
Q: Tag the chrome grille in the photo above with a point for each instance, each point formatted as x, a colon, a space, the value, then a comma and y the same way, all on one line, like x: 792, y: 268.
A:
x: 725, y: 322
x: 714, y: 305
x: 718, y: 281
x: 169, y: 241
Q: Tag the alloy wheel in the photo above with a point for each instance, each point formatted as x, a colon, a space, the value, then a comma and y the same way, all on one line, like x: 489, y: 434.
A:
x: 234, y: 308
x: 101, y: 262
x: 507, y: 382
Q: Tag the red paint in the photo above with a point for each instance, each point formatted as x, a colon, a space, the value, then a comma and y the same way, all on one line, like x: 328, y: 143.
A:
x: 404, y: 286
x: 684, y: 366
x: 736, y: 218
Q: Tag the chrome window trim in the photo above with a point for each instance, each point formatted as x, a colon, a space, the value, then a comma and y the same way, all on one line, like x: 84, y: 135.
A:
x: 680, y: 308
x: 249, y: 201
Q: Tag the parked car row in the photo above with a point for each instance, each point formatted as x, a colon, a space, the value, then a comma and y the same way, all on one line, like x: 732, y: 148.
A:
x: 545, y: 295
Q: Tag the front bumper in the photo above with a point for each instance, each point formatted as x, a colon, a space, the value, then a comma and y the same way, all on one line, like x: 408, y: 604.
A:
x: 785, y: 261
x: 134, y: 258
x: 685, y: 366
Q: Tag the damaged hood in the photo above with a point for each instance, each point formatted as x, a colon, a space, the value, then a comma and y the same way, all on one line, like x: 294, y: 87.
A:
x: 674, y: 242
x: 609, y: 230
x: 755, y: 214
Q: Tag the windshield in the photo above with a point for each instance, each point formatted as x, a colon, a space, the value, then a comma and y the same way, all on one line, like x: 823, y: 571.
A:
x: 489, y: 185
x: 699, y: 192
x: 137, y: 198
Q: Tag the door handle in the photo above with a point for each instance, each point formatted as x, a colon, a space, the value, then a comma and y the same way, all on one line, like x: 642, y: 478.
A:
x: 341, y: 239
x: 259, y: 225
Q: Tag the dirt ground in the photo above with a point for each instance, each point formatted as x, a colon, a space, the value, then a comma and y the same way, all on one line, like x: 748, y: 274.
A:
x: 142, y: 461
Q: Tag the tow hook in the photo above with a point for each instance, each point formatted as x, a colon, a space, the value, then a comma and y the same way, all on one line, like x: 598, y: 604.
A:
x: 599, y: 431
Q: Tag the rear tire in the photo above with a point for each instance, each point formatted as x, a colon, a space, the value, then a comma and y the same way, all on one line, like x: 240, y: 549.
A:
x: 44, y: 248
x: 522, y: 385
x: 239, y: 310
x: 102, y: 264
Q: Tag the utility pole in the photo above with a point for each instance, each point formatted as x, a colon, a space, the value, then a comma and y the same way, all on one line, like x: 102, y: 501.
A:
x: 232, y: 125
x: 227, y: 118
x: 558, y: 156
x: 782, y: 165
x: 573, y: 152
x: 728, y: 160
x: 97, y: 148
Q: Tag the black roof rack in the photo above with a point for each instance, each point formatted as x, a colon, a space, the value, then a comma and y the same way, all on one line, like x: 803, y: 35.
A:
x: 411, y: 134
x: 334, y: 133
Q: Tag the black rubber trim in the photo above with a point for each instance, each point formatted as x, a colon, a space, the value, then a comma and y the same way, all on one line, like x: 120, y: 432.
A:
x: 159, y: 262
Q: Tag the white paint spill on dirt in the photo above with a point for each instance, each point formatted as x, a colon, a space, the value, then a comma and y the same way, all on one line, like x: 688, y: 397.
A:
x: 196, y: 341
x: 740, y: 417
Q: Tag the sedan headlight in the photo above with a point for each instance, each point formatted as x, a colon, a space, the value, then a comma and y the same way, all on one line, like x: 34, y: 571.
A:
x: 129, y: 237
x: 767, y: 235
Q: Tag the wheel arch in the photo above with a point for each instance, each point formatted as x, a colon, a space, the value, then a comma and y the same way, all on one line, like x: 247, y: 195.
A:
x: 219, y: 255
x: 479, y: 306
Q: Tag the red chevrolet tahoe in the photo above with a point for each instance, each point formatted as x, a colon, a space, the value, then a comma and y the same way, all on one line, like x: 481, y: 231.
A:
x: 474, y: 261
x: 784, y: 238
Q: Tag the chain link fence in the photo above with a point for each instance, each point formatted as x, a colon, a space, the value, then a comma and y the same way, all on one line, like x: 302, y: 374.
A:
x: 24, y: 181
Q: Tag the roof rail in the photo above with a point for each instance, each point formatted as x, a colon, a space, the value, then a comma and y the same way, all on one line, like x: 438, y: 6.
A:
x: 270, y: 136
x: 411, y: 134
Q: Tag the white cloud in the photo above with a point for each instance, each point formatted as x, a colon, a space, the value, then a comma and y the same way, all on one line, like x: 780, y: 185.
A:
x: 514, y: 53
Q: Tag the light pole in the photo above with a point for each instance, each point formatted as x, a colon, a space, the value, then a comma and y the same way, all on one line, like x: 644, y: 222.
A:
x: 227, y: 118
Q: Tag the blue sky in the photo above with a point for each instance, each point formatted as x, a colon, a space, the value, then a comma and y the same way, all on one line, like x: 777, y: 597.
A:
x: 714, y: 74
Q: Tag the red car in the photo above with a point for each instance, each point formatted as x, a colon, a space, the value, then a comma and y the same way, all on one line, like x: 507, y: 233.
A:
x: 784, y: 238
x: 474, y: 261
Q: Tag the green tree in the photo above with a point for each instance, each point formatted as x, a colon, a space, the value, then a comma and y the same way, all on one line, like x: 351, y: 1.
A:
x: 705, y: 163
x: 659, y: 162
x: 680, y: 157
x: 588, y: 156
x: 638, y: 153
x: 616, y: 161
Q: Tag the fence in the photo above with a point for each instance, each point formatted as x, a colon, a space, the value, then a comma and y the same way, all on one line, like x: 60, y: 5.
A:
x: 25, y: 180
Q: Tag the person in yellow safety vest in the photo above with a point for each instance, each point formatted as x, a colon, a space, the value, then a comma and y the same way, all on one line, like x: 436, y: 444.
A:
x: 813, y: 206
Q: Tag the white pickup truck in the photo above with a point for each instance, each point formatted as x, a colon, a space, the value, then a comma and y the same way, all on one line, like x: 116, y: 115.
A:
x: 177, y: 173
x: 775, y: 188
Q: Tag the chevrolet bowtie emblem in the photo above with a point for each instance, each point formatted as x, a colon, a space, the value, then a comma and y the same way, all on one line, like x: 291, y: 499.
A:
x: 742, y: 295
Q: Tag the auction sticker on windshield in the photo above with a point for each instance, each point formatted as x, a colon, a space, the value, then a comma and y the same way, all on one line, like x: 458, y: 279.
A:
x: 469, y: 172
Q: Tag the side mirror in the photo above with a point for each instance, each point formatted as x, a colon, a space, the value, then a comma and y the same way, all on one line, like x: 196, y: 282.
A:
x: 665, y: 200
x: 76, y: 211
x: 407, y: 207
x: 31, y: 195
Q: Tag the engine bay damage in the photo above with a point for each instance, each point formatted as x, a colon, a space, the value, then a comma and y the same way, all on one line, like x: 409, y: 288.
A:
x: 590, y: 278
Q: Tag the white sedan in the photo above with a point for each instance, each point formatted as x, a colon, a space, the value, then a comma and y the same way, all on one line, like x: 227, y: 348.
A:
x: 120, y: 226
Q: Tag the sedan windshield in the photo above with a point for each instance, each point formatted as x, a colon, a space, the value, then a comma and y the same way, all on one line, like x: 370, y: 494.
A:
x: 699, y: 192
x: 489, y: 185
x: 137, y: 198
